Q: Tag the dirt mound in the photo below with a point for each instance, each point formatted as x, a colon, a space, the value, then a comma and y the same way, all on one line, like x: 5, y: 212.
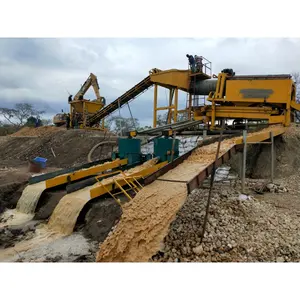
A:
x: 39, y: 131
x: 99, y: 218
x: 47, y: 204
x: 63, y: 149
x: 10, y: 194
x: 247, y: 230
x: 287, y: 156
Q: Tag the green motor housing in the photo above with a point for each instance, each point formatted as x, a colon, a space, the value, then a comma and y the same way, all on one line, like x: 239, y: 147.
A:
x: 163, y: 149
x: 130, y: 149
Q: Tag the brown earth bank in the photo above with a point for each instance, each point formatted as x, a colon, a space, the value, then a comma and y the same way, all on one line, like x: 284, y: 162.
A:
x: 62, y: 148
x: 287, y: 156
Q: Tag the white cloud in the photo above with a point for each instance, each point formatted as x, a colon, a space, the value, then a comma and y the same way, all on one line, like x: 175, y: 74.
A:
x: 42, y: 70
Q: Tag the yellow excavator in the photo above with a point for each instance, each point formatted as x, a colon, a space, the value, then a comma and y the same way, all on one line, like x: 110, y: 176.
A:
x: 80, y: 108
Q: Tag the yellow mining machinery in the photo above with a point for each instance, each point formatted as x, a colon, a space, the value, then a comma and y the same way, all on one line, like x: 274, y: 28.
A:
x: 264, y: 98
x: 267, y: 98
x: 81, y: 109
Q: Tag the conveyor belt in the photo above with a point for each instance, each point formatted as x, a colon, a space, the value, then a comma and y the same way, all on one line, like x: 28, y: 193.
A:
x: 125, y: 98
x: 175, y: 127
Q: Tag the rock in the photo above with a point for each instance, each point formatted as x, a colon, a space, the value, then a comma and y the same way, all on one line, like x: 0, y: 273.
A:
x: 243, y: 197
x: 224, y: 193
x: 280, y: 259
x: 198, y: 250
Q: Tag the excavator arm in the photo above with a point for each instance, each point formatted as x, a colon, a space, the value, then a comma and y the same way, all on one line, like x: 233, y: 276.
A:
x: 91, y: 81
x: 96, y: 87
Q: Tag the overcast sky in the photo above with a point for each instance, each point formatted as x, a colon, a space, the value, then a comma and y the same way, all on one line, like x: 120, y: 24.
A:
x: 41, y: 71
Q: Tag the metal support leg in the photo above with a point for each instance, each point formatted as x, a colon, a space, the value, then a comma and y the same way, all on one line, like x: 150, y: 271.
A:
x: 155, y: 106
x: 176, y: 105
x: 190, y: 107
x: 244, y: 160
x: 204, y: 134
x: 272, y: 156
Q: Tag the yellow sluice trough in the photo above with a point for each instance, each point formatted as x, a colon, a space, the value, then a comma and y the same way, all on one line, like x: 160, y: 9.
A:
x: 64, y: 216
x: 31, y: 194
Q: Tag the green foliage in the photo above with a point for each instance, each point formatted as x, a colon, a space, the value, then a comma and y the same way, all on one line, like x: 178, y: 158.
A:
x: 19, y: 115
x: 33, y: 122
x: 121, y: 125
x: 6, y: 129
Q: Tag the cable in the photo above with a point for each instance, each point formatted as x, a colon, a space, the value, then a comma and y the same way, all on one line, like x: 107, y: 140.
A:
x: 211, y: 184
x: 132, y: 119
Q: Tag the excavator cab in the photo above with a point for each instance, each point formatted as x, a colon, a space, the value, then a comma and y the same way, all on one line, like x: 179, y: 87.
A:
x: 59, y: 119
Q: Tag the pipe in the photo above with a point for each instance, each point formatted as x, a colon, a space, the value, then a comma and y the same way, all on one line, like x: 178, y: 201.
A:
x: 89, y: 158
x: 203, y: 87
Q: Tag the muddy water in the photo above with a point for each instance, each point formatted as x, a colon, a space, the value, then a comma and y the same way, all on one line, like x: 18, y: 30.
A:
x: 42, y: 236
x: 30, y: 197
x: 62, y: 221
x: 26, y: 206
x: 64, y: 216
x: 12, y: 217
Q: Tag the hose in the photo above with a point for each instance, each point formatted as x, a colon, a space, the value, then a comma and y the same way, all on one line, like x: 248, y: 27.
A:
x: 96, y: 146
x: 89, y: 157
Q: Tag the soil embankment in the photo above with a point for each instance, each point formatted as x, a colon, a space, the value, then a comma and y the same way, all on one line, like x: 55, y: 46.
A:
x: 62, y: 148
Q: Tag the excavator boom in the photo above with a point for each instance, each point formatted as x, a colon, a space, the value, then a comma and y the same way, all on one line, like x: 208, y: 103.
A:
x: 91, y: 81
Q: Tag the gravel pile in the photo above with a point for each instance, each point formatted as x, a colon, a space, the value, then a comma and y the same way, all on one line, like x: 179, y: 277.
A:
x: 238, y: 230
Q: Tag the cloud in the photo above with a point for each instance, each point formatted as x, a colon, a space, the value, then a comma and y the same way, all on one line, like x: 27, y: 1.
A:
x: 43, y: 71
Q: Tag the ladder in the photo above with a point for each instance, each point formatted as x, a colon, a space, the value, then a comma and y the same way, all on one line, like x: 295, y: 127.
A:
x: 194, y: 100
x: 131, y: 182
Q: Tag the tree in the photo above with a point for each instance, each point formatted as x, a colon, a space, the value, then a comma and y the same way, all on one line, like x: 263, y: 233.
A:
x: 46, y: 122
x: 144, y: 128
x: 33, y: 122
x: 19, y: 115
x: 162, y: 119
x: 121, y: 125
x: 296, y: 78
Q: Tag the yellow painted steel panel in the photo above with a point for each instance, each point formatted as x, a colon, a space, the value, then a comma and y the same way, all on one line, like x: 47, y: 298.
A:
x: 275, y: 90
x: 92, y: 107
x: 62, y: 179
x: 262, y: 136
x: 174, y: 78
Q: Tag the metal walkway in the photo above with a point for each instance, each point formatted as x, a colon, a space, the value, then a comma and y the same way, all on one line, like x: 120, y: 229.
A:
x: 125, y: 98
